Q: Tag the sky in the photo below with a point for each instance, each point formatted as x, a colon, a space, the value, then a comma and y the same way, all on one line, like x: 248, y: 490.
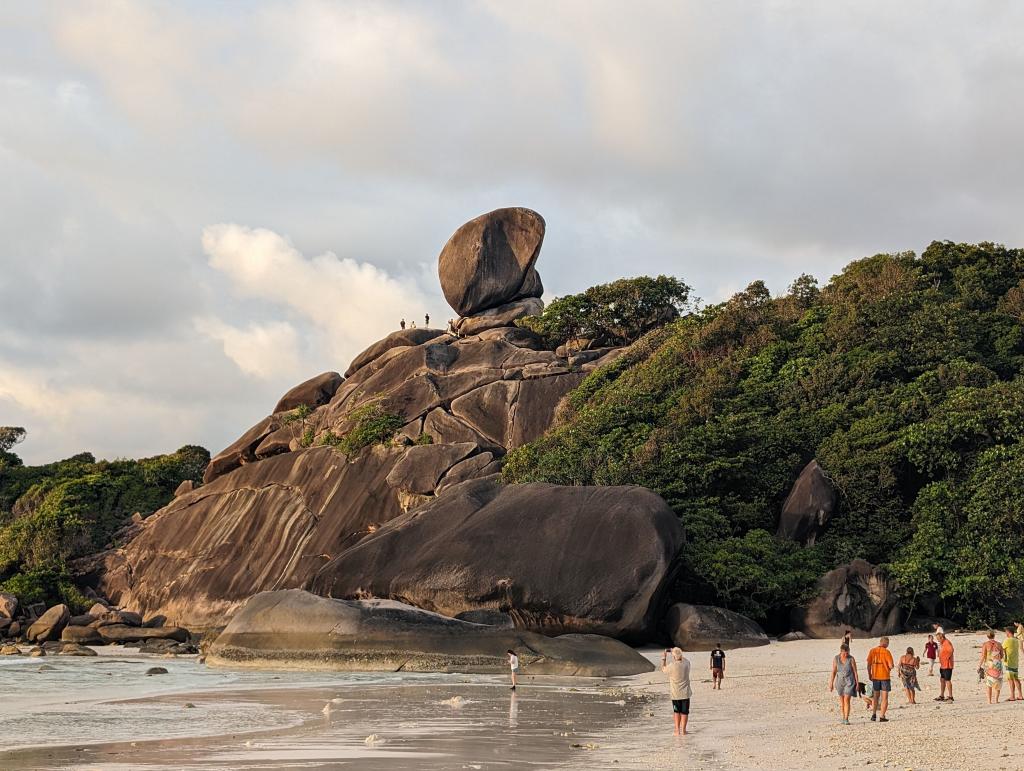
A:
x: 205, y: 203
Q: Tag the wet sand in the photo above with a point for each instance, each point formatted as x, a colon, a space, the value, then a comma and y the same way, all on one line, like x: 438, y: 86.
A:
x: 774, y: 711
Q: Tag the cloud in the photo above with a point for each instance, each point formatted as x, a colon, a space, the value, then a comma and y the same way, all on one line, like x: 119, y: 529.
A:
x: 346, y: 304
x: 720, y: 142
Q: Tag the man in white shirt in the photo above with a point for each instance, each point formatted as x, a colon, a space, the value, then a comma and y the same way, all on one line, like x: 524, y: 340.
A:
x: 678, y: 671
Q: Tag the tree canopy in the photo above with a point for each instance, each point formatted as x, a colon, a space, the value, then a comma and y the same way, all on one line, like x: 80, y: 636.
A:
x: 903, y: 376
x: 611, y: 314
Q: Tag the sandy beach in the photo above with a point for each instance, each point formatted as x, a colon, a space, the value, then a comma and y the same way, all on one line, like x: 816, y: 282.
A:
x: 774, y: 711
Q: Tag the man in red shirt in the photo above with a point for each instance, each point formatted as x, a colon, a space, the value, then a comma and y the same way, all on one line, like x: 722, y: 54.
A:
x: 880, y: 666
x: 945, y: 668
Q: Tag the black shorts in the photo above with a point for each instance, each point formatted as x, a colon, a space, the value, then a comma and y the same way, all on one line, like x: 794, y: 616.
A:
x: 681, y: 706
x: 946, y: 674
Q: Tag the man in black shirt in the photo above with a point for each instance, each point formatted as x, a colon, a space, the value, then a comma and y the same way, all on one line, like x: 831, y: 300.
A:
x: 718, y: 665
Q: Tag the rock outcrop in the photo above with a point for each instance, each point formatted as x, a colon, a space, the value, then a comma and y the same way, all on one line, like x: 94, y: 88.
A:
x: 489, y: 261
x: 312, y: 393
x: 808, y: 506
x: 703, y: 627
x: 282, y: 505
x: 556, y: 559
x: 857, y: 596
x: 300, y: 630
x: 264, y: 526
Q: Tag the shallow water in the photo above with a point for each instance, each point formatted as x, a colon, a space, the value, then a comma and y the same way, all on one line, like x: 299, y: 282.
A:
x: 104, y: 712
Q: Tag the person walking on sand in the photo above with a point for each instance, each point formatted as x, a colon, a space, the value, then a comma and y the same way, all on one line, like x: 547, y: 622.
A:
x: 843, y: 680
x: 848, y: 638
x: 513, y: 663
x: 678, y: 671
x: 988, y: 648
x: 1011, y: 661
x: 717, y: 667
x: 880, y: 666
x: 909, y: 664
x: 931, y: 650
x: 945, y: 667
x: 994, y: 675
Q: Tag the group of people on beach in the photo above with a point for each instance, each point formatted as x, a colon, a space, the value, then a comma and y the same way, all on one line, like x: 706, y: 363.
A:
x: 998, y: 661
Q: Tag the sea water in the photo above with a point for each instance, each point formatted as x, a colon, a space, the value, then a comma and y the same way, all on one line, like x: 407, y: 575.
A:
x: 106, y: 698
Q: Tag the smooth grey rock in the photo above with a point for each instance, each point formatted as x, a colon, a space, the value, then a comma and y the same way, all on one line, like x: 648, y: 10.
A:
x: 557, y: 559
x: 422, y: 467
x: 300, y: 630
x: 703, y: 627
x: 311, y: 393
x: 49, y: 625
x: 489, y: 261
x: 808, y: 506
x: 503, y: 316
x: 399, y: 338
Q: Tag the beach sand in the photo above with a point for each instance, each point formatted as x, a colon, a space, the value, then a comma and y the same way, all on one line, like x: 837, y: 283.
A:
x: 774, y: 711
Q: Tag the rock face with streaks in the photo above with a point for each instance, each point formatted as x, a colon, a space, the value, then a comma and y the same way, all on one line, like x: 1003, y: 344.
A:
x: 857, y: 596
x: 557, y: 559
x: 284, y: 507
x: 296, y: 629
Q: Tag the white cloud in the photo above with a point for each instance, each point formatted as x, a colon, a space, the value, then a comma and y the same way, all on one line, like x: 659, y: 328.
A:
x: 345, y: 303
x: 263, y: 350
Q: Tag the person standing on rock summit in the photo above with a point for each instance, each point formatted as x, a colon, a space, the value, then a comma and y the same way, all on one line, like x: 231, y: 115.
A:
x: 678, y: 672
x: 402, y: 323
x: 426, y: 320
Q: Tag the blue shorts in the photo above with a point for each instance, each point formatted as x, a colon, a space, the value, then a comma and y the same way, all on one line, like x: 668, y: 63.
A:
x: 881, y: 685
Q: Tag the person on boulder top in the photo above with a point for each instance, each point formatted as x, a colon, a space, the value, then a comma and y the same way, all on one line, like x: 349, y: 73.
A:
x: 678, y: 672
x: 513, y: 663
x: 402, y: 323
x: 717, y: 666
x: 426, y: 319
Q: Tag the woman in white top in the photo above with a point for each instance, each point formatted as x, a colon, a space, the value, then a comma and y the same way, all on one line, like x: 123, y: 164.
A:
x: 513, y: 662
x: 678, y: 672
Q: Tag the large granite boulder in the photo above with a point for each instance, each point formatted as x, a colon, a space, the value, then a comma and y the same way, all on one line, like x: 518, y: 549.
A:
x: 421, y: 468
x: 311, y: 393
x: 489, y: 261
x: 557, y: 559
x: 119, y: 633
x: 703, y: 627
x: 857, y: 596
x: 267, y: 525
x: 49, y: 625
x: 242, y: 450
x: 300, y: 630
x: 83, y: 635
x: 808, y: 506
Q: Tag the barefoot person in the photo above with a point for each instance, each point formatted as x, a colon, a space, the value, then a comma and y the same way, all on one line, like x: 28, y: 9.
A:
x: 843, y: 680
x: 513, y: 663
x: 931, y: 650
x: 717, y: 666
x: 880, y: 666
x: 678, y: 671
x: 909, y: 664
x: 1011, y: 660
x: 945, y: 667
x: 994, y: 675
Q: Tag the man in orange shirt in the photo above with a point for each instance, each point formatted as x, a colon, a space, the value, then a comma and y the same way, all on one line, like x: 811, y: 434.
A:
x: 880, y: 666
x: 945, y: 668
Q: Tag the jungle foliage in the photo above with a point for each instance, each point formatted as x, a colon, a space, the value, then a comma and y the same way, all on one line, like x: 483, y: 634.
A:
x: 53, y: 513
x: 904, y: 377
